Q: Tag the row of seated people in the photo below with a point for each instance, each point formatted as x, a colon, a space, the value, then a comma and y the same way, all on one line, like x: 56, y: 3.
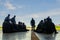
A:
x: 46, y: 26
x: 9, y: 25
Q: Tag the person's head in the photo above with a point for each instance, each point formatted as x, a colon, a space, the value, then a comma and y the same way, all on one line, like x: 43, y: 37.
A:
x: 19, y: 22
x: 8, y: 14
x: 49, y: 19
x: 48, y: 16
x: 32, y: 18
x: 45, y: 20
x: 41, y: 20
x: 23, y: 23
x: 14, y: 15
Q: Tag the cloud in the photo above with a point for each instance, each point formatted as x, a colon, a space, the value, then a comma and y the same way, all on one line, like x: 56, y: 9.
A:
x: 53, y: 12
x: 48, y: 13
x: 38, y: 16
x: 10, y: 6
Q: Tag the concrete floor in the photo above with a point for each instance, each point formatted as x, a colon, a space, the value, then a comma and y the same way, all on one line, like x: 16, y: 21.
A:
x: 16, y: 36
x: 48, y: 37
x: 27, y: 36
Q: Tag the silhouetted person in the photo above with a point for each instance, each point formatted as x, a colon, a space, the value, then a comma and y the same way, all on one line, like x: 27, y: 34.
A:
x: 48, y: 18
x: 52, y: 25
x: 13, y: 20
x: 6, y: 24
x: 45, y: 25
x: 40, y: 26
x: 20, y: 23
x: 49, y: 26
x: 53, y: 28
x: 20, y: 26
x: 33, y: 24
x: 24, y: 26
x: 7, y: 19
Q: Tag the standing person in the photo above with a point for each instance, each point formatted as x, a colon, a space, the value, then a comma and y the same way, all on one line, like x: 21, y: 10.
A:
x: 33, y: 24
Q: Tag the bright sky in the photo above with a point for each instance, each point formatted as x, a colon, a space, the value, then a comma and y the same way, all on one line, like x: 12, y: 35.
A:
x: 26, y: 9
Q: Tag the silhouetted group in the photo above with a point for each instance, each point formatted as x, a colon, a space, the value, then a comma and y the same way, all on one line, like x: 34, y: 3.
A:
x: 9, y: 25
x: 46, y: 26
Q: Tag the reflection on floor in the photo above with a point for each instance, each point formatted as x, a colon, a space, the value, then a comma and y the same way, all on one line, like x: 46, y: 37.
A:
x: 27, y: 36
x: 48, y: 36
x: 16, y: 36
